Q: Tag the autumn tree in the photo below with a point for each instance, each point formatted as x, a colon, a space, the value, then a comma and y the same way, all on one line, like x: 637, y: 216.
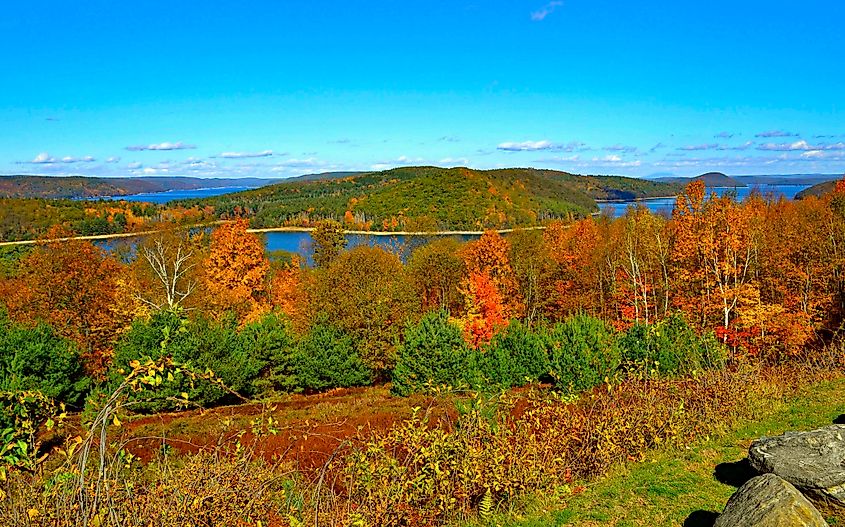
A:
x: 692, y: 291
x: 490, y: 255
x: 365, y: 292
x: 236, y: 269
x: 533, y: 271
x: 579, y: 280
x: 287, y: 288
x: 714, y: 252
x: 436, y: 271
x: 328, y: 242
x: 486, y: 314
x: 794, y: 275
x: 643, y: 242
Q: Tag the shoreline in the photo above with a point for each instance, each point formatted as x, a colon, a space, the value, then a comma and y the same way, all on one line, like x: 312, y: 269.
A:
x: 96, y: 237
x: 400, y: 233
x: 635, y: 200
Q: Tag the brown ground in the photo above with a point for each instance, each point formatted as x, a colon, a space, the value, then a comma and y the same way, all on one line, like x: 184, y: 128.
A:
x: 309, y: 428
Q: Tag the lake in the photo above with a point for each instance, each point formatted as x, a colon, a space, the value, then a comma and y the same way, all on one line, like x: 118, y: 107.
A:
x: 170, y: 195
x: 403, y: 245
x: 665, y: 205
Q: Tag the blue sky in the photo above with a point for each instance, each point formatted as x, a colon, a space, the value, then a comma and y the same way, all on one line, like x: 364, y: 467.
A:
x: 282, y: 88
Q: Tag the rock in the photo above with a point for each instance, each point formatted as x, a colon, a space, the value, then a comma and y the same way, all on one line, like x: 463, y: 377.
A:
x: 769, y: 501
x: 814, y: 462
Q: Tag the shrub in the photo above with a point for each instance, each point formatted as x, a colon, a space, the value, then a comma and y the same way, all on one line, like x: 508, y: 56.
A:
x: 671, y: 347
x: 326, y: 358
x: 582, y: 351
x: 38, y: 359
x: 434, y: 352
x: 514, y: 357
x: 199, y: 344
x: 270, y: 341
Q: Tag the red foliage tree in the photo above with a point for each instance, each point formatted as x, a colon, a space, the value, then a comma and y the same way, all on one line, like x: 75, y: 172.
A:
x: 485, y: 311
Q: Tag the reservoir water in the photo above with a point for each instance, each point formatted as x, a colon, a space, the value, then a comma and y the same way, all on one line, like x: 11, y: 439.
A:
x: 665, y: 205
x: 163, y: 197
x: 403, y: 245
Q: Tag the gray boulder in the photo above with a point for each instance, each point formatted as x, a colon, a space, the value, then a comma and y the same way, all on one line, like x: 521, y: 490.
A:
x: 769, y: 501
x: 814, y: 461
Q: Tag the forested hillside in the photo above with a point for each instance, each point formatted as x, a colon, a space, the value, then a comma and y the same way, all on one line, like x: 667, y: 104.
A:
x: 818, y: 190
x: 29, y: 219
x: 422, y: 198
x: 76, y: 187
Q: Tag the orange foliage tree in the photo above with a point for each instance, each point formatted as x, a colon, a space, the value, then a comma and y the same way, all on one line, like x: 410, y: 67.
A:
x: 236, y: 270
x: 578, y: 277
x: 490, y: 255
x: 714, y: 253
x: 287, y: 290
x: 486, y: 314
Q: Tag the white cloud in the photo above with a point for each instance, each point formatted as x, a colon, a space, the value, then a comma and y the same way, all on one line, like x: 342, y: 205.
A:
x: 786, y: 147
x: 534, y: 146
x: 785, y: 161
x: 692, y: 148
x: 776, y: 133
x: 545, y: 11
x: 712, y: 162
x: 744, y: 146
x: 46, y: 159
x: 564, y: 159
x: 113, y: 159
x: 308, y: 163
x: 620, y: 148
x: 715, y: 146
x: 800, y: 146
x: 525, y: 146
x: 723, y: 135
x: 241, y: 155
x: 178, y: 145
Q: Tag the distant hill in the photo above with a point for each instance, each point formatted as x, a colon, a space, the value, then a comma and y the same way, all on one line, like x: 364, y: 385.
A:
x: 324, y: 176
x: 818, y: 190
x: 711, y: 180
x: 77, y: 187
x: 422, y: 198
